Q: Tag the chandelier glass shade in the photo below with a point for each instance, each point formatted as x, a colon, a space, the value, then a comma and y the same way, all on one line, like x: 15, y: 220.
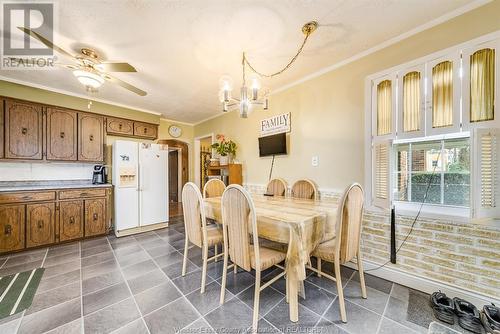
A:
x: 254, y: 96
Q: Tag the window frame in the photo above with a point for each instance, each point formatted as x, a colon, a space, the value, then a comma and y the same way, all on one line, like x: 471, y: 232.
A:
x: 393, y: 79
x: 453, y: 213
x: 454, y: 57
x: 466, y: 53
x: 423, y: 103
x: 461, y: 210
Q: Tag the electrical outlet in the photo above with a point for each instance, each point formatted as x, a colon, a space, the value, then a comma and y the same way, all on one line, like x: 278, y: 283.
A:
x: 315, y: 161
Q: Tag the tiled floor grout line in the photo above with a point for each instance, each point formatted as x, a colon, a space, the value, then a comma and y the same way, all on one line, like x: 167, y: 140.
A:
x: 44, y: 258
x: 385, y: 309
x: 173, y: 284
x: 126, y: 283
x: 82, y: 330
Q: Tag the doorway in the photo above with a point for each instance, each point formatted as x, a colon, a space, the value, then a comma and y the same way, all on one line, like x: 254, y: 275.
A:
x: 178, y: 173
x: 202, y: 154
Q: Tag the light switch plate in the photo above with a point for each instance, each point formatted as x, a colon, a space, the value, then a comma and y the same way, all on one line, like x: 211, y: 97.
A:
x: 315, y: 161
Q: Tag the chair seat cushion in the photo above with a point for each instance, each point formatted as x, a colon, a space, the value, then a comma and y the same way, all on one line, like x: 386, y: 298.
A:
x: 326, y: 250
x: 268, y: 257
x: 214, y: 235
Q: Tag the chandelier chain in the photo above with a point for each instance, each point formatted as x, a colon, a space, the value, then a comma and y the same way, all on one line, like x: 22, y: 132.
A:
x: 287, y: 66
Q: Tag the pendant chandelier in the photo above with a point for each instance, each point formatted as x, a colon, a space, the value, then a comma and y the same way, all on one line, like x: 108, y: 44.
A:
x: 254, y: 97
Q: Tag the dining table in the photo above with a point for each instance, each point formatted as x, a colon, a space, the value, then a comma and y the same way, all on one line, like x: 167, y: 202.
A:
x: 299, y: 224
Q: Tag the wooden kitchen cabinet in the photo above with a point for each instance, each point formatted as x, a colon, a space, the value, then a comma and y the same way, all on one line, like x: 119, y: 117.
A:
x: 119, y: 127
x: 2, y: 126
x: 70, y: 220
x: 12, y: 222
x: 23, y: 130
x: 95, y: 217
x: 62, y: 134
x: 145, y: 130
x: 40, y: 223
x: 91, y: 137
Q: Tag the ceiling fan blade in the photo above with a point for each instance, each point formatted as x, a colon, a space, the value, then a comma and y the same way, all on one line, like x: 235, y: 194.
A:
x: 115, y: 67
x: 45, y: 41
x: 124, y: 85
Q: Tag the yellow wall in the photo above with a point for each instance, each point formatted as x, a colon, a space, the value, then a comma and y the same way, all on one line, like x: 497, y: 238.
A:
x: 328, y: 111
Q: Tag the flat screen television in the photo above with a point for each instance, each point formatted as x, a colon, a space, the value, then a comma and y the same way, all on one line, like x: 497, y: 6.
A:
x: 272, y: 145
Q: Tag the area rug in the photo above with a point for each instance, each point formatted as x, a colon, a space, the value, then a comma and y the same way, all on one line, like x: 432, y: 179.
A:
x: 17, y: 291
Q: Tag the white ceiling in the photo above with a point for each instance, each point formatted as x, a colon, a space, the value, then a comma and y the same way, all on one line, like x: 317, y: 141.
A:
x: 181, y: 48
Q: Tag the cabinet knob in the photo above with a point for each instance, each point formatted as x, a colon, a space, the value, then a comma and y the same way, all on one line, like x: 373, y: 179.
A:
x: 84, y: 194
x: 26, y: 198
x: 8, y: 230
x: 71, y: 220
x: 40, y: 224
x: 91, y: 137
x: 145, y: 130
x: 24, y: 131
x: 120, y: 126
x: 95, y: 216
x: 62, y: 134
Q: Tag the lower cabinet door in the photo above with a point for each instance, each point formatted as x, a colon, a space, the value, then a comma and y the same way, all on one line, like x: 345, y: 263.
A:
x: 40, y: 224
x: 95, y: 216
x: 12, y: 218
x: 70, y: 220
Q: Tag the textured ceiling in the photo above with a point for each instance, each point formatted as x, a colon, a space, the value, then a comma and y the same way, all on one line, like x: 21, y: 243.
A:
x: 181, y: 48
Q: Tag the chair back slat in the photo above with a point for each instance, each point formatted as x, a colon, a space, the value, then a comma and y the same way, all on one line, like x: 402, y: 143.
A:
x: 304, y: 189
x: 349, y: 219
x: 238, y: 218
x: 277, y: 187
x: 194, y: 216
x: 213, y: 188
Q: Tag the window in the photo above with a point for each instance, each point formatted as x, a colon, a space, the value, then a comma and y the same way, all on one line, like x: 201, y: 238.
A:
x: 435, y: 132
x: 439, y: 168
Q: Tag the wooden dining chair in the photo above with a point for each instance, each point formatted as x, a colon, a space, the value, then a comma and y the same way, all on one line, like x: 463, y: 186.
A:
x: 213, y: 188
x: 197, y: 231
x: 345, y: 246
x: 304, y: 189
x: 241, y: 243
x: 277, y: 187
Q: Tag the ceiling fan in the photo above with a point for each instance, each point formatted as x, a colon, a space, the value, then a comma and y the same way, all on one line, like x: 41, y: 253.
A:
x: 90, y: 69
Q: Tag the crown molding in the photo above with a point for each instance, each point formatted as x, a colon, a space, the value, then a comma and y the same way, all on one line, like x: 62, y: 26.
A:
x: 82, y: 96
x: 176, y: 122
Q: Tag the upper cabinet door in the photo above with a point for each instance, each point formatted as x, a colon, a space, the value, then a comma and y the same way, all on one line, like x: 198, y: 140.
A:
x: 145, y: 130
x: 91, y: 137
x: 61, y: 134
x: 23, y: 130
x: 120, y: 127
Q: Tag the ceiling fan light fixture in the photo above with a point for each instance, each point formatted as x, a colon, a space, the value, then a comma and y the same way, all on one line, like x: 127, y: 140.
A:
x: 89, y: 79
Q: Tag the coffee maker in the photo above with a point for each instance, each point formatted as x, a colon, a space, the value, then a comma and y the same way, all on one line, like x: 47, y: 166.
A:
x: 99, y: 176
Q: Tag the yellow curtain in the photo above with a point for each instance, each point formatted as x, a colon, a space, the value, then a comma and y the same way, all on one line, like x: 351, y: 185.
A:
x: 384, y: 107
x: 411, y: 102
x: 442, y: 95
x: 482, y: 85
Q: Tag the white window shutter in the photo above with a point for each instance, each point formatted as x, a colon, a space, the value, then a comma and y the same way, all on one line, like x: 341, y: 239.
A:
x: 486, y: 171
x: 381, y: 173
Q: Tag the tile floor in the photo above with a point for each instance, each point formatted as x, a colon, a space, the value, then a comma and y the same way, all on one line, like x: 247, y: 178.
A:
x: 133, y: 285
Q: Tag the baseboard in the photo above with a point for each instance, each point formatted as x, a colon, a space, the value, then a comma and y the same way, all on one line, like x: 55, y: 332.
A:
x: 140, y: 229
x: 425, y: 284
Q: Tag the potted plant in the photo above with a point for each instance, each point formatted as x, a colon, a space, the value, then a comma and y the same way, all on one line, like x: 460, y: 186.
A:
x: 225, y: 148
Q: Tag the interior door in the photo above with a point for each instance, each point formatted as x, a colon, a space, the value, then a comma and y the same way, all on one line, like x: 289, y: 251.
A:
x: 153, y: 183
x: 173, y: 176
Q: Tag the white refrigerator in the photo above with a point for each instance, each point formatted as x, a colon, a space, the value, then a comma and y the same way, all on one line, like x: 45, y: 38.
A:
x: 140, y: 179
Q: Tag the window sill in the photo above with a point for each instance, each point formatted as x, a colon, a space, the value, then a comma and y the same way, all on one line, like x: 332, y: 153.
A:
x: 456, y: 214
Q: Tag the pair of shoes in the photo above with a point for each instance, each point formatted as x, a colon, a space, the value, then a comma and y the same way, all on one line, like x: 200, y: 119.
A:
x: 490, y: 317
x: 468, y: 315
x: 443, y: 307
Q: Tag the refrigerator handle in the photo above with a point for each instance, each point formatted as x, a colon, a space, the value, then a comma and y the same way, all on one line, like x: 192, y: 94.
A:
x: 139, y: 185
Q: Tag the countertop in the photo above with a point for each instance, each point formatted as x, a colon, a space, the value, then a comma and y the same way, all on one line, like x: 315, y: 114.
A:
x: 6, y: 186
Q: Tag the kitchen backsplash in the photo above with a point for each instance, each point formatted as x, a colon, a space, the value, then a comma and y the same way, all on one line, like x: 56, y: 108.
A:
x: 20, y: 171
